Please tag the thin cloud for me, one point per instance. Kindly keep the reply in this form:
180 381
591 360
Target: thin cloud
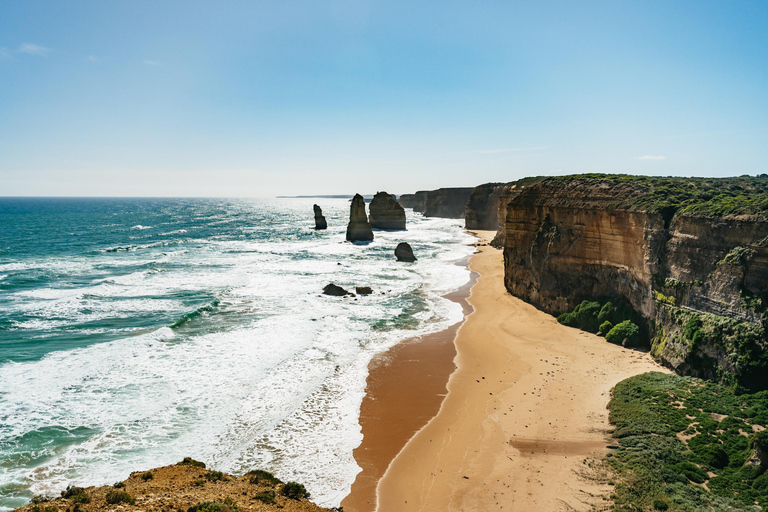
34 49
151 63
93 58
509 150
652 157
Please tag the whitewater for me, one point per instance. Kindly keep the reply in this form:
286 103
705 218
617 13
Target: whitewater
136 332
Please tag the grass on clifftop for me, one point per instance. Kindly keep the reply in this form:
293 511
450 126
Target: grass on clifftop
686 444
709 197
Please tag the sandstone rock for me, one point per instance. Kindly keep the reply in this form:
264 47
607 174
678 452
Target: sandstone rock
420 201
448 203
363 290
571 239
482 210
386 212
358 229
320 222
403 252
406 200
332 289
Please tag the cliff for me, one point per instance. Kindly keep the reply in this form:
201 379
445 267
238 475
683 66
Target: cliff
406 200
689 255
320 222
449 203
420 201
482 210
358 229
386 213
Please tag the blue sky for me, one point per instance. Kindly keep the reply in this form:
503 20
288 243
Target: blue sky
228 98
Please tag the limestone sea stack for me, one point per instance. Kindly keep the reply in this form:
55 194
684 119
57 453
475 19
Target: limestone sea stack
320 222
358 229
403 252
386 212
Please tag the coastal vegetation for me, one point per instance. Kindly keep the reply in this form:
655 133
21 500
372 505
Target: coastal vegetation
612 318
684 444
707 197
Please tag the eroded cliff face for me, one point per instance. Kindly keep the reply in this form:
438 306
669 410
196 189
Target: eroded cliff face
406 200
482 210
567 241
420 201
449 203
386 213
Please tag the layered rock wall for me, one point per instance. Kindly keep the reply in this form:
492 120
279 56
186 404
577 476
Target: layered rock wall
482 210
386 213
450 203
420 201
567 241
406 200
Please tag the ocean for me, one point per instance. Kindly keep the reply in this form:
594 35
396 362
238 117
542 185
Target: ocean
136 332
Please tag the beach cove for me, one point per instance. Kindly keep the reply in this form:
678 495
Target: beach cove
524 408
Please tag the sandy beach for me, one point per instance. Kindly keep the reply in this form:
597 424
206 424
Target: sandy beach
525 407
405 387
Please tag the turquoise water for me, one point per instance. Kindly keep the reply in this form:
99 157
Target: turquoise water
134 332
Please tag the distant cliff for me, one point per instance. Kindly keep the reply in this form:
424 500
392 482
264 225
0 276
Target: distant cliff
689 255
482 210
406 200
449 203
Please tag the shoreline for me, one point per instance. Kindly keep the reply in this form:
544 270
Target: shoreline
524 412
405 388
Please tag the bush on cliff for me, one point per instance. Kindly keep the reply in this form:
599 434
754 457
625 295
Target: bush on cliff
209 506
626 330
605 327
115 497
295 491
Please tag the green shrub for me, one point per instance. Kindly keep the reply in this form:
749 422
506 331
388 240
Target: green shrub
660 505
267 496
115 497
626 330
215 476
606 313
76 494
118 485
294 491
189 461
692 326
258 476
208 506
568 319
147 476
605 327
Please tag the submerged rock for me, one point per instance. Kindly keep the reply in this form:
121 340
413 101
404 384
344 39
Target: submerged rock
363 290
332 289
358 229
386 212
403 252
320 222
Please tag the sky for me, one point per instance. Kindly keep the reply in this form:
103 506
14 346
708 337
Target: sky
263 98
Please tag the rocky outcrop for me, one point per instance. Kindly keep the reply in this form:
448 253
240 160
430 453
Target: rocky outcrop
386 212
482 210
358 229
448 203
320 222
178 487
406 200
420 201
332 289
570 239
363 290
403 252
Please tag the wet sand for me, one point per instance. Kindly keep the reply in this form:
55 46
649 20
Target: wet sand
525 407
405 387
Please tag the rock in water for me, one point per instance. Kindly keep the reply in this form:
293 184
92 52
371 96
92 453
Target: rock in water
363 290
403 252
319 219
332 289
386 212
358 229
